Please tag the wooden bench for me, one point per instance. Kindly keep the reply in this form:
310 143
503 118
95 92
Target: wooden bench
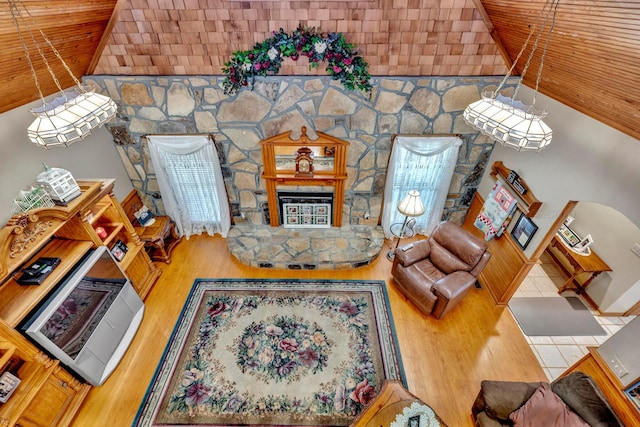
160 237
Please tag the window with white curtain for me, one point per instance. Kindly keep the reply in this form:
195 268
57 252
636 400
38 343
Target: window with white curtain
191 183
425 163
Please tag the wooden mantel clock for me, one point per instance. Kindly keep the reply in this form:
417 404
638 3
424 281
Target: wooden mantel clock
320 162
304 162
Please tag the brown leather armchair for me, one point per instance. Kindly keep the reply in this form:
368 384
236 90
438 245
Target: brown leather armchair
437 273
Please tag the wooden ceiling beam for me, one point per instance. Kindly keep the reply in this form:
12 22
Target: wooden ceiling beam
494 34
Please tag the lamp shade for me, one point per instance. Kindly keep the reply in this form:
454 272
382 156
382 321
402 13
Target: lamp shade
411 205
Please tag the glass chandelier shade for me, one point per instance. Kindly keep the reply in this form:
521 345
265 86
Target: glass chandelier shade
506 120
70 118
509 122
411 205
72 115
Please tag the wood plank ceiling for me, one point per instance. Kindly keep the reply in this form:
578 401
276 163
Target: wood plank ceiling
592 65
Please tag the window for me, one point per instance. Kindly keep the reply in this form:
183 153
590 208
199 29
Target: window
191 183
425 163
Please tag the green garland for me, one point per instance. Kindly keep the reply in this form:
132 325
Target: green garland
343 62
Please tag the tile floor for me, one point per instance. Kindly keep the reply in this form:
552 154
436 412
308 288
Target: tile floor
556 354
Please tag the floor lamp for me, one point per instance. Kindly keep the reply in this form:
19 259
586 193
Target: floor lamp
410 206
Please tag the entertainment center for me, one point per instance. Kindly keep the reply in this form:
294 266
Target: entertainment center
49 394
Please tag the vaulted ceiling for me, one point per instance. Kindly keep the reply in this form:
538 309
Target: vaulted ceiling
592 64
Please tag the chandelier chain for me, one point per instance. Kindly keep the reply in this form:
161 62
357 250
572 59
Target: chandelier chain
17 15
540 21
551 4
546 45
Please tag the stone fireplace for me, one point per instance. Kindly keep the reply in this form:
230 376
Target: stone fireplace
397 105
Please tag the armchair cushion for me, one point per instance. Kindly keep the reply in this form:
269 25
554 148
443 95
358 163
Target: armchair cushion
454 249
454 284
412 253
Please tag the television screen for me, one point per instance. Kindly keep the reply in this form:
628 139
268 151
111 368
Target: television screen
73 322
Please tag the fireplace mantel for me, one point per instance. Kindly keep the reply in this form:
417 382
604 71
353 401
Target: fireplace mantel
304 162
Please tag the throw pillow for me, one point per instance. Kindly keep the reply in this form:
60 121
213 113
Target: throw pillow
580 393
501 398
545 409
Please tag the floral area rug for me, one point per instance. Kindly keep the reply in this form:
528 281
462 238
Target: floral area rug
274 352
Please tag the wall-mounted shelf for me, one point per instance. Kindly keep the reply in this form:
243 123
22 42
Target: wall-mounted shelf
527 202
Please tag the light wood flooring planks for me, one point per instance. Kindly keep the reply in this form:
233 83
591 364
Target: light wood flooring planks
444 360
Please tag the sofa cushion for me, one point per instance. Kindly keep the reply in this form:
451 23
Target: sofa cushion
584 397
545 408
501 398
483 420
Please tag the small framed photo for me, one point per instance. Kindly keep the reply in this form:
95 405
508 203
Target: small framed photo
119 250
8 384
523 231
584 243
568 235
633 393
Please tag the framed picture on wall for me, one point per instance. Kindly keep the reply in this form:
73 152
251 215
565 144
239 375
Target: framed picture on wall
633 393
523 231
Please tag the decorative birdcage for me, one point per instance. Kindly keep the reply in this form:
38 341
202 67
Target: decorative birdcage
34 198
59 184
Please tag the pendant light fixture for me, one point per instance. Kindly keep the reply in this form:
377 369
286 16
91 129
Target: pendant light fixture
506 120
72 115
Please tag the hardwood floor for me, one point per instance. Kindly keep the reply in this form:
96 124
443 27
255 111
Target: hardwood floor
444 360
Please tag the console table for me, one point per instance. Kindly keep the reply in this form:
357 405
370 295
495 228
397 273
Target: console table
591 264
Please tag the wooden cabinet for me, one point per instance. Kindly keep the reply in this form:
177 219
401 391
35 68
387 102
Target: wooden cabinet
104 211
48 395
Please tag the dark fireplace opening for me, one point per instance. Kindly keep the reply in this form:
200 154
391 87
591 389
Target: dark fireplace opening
299 209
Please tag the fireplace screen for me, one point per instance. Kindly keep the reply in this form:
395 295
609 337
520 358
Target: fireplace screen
308 210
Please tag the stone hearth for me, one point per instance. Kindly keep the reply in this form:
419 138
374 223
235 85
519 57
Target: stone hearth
345 247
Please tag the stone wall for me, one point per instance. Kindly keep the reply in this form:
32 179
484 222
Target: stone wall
187 105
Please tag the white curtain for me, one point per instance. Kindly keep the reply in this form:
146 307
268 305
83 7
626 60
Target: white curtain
190 180
424 163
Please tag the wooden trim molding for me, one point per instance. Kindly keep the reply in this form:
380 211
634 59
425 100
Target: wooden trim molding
494 33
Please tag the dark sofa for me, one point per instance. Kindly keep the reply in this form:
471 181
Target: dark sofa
500 403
